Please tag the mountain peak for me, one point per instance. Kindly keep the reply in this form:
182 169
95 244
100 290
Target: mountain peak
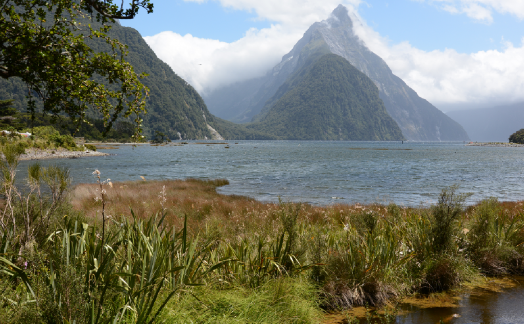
339 17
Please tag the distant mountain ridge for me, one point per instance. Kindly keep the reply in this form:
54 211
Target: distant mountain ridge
328 99
491 124
417 118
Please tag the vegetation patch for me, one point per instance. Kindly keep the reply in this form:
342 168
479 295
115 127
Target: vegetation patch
177 251
517 137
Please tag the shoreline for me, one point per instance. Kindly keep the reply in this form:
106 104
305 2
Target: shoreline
60 153
494 144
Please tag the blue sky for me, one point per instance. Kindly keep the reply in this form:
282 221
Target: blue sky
423 24
455 53
429 28
204 20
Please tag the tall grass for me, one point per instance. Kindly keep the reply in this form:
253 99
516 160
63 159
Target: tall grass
496 238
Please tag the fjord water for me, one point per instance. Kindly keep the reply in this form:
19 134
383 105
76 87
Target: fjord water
319 172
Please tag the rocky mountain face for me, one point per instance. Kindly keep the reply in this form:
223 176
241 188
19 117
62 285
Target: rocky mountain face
328 99
418 119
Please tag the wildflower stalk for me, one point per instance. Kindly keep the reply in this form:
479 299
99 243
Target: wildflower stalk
101 183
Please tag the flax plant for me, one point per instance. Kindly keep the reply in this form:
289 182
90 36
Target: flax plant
255 260
496 238
363 265
28 210
144 265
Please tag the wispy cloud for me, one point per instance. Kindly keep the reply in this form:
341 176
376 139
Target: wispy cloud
481 10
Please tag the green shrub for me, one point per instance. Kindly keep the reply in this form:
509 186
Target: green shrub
442 273
45 131
65 141
445 216
495 238
54 138
363 267
517 137
90 147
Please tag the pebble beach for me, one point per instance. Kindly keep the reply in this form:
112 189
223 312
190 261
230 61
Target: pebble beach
494 144
60 153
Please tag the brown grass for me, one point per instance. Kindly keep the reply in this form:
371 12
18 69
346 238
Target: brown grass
206 210
199 200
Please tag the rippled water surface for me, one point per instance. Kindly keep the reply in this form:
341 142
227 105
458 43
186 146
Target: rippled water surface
321 172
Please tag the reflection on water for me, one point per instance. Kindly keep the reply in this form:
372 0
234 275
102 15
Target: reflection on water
479 306
487 305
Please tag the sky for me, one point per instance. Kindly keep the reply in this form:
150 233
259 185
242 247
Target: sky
457 54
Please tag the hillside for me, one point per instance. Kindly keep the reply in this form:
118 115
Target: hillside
329 99
174 107
418 119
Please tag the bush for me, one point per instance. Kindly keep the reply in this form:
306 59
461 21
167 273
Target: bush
517 137
444 218
441 274
53 137
495 237
65 141
45 131
363 264
90 147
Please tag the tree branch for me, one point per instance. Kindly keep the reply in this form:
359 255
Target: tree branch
119 14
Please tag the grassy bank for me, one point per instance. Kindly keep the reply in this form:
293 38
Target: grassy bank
179 252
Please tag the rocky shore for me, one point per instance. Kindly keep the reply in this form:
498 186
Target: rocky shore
60 153
494 144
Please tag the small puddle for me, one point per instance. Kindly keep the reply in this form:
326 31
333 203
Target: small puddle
496 301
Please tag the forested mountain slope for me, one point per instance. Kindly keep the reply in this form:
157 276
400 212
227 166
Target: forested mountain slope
329 99
173 106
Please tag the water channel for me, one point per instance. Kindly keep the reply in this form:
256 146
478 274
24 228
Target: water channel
497 301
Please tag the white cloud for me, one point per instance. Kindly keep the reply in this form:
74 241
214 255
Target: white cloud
207 63
251 56
442 77
451 9
478 12
448 77
481 9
